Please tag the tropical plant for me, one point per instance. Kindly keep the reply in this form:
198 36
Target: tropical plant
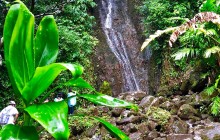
216 99
76 39
32 69
160 14
201 40
198 18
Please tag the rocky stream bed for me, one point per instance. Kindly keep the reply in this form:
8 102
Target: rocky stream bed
159 118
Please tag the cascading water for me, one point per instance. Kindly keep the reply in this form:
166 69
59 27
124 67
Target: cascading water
120 61
116 43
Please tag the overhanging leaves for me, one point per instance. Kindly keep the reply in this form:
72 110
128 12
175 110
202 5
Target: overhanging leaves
53 117
158 33
210 51
44 76
13 132
107 101
79 82
198 18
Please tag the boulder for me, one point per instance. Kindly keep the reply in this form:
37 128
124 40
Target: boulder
143 128
91 131
131 119
160 138
146 101
167 105
179 137
152 135
194 80
186 111
133 96
130 128
135 136
116 112
128 113
179 127
160 116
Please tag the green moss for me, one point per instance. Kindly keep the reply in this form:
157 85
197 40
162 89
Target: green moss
81 123
159 115
216 137
105 88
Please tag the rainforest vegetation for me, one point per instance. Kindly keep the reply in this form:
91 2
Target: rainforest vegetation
182 35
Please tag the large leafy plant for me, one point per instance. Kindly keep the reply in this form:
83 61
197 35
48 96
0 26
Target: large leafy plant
201 40
31 66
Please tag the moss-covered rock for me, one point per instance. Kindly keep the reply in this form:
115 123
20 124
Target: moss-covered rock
186 111
158 115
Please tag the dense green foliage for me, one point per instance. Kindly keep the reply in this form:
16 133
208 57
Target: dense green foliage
76 41
30 61
160 14
197 42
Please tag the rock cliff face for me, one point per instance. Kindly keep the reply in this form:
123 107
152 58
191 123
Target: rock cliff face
118 58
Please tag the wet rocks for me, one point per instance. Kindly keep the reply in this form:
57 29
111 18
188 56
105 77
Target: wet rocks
116 112
186 111
159 118
134 97
179 127
136 136
131 119
146 101
179 137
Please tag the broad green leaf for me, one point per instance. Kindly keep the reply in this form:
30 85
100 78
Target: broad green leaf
18 42
79 82
106 100
53 117
14 132
20 49
19 45
113 129
8 30
44 76
46 42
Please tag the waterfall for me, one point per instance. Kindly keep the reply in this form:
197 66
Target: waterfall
116 42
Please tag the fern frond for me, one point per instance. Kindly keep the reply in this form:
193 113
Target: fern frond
178 18
183 53
208 5
210 51
217 81
210 90
198 18
158 33
212 32
215 106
